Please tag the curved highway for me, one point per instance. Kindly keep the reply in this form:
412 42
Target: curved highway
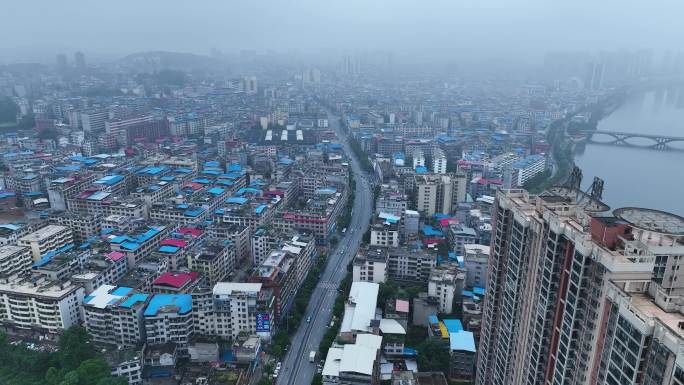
296 368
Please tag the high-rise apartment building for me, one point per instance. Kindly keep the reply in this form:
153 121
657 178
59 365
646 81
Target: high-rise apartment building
437 193
577 295
94 120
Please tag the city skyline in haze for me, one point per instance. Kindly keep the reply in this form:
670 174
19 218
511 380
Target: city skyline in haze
435 30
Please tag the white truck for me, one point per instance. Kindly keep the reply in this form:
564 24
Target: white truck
312 356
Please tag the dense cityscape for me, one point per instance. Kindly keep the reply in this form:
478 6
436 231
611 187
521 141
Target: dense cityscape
257 218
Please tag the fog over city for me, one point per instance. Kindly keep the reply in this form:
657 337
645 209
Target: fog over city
436 29
341 192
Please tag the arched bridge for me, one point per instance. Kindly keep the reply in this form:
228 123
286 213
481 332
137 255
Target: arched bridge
632 139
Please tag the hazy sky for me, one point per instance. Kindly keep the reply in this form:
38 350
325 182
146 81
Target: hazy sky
453 28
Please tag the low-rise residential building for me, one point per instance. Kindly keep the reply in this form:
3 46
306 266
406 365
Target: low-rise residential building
243 308
284 271
114 316
81 225
385 231
46 239
445 284
410 264
527 168
168 318
215 260
462 355
370 265
238 235
139 242
318 217
354 363
39 304
154 192
14 260
460 236
475 261
126 363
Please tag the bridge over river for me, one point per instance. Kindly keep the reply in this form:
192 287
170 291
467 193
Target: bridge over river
632 139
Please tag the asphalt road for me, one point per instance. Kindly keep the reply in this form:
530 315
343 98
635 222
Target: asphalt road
296 368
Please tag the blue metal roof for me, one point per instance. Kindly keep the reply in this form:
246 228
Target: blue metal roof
453 325
237 200
122 291
169 249
48 256
132 300
430 232
215 190
432 319
130 245
182 301
110 180
463 341
194 212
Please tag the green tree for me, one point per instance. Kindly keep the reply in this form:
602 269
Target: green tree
387 291
92 371
433 355
71 378
52 376
74 347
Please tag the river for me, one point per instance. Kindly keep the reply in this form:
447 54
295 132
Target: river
640 177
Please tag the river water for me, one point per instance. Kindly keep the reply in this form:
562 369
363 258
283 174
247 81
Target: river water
634 176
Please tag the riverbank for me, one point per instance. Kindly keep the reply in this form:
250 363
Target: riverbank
562 148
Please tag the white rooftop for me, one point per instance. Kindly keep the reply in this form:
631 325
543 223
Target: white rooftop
360 309
358 359
227 288
10 250
101 297
43 233
332 362
391 326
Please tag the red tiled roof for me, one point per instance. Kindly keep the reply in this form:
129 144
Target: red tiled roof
115 255
176 280
173 242
192 231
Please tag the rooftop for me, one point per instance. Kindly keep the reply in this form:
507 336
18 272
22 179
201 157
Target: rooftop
227 288
462 341
360 308
169 303
176 280
43 233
